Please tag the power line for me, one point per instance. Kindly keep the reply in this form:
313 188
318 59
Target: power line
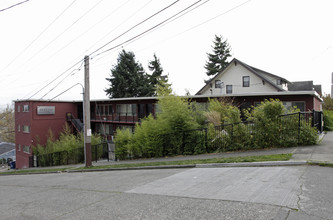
59 35
64 91
55 79
4 9
148 30
70 74
181 15
124 21
38 36
134 27
225 12
193 27
80 35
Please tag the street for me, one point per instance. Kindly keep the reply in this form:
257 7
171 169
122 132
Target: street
294 192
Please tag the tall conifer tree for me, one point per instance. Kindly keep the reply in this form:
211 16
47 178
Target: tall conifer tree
156 78
218 60
128 78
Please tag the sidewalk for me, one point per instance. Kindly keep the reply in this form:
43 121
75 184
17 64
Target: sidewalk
316 154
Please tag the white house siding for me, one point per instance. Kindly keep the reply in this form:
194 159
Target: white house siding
234 76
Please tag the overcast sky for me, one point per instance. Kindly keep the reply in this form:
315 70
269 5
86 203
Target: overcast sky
43 42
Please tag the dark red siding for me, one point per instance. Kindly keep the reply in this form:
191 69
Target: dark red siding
40 125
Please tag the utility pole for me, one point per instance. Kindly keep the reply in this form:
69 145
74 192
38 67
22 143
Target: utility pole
86 116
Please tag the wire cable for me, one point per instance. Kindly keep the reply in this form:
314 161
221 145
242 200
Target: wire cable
39 35
79 35
179 16
148 30
4 9
59 35
124 21
143 21
193 27
55 79
64 91
70 74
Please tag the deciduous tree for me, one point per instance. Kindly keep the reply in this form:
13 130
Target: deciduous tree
7 125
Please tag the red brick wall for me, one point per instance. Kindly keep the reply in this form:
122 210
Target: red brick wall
39 126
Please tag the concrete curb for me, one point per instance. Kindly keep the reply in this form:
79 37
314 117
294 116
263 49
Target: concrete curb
133 168
254 164
212 165
320 163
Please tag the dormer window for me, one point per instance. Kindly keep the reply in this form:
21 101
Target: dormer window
279 82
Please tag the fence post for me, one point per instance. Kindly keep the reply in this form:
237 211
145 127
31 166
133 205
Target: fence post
183 143
321 121
232 134
299 127
206 139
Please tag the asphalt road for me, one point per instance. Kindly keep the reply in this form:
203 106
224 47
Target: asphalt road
297 192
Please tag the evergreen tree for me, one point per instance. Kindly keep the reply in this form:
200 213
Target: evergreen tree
156 78
128 78
218 59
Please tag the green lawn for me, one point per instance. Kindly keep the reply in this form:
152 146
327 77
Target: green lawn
274 157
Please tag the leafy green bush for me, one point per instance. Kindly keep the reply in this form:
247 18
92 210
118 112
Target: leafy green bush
67 149
123 141
328 120
308 134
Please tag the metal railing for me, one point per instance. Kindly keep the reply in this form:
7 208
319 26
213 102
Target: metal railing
73 156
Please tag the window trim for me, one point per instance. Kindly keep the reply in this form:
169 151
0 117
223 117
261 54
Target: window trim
246 83
218 84
228 89
25 108
26 149
26 131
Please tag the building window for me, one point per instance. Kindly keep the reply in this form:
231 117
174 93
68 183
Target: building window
246 81
25 108
110 108
19 147
126 109
26 128
218 84
229 89
18 108
100 110
18 128
298 104
26 149
279 82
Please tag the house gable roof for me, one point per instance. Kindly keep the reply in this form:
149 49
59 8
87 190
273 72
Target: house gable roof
304 86
5 147
260 73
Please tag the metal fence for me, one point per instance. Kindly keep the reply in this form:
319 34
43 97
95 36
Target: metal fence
73 156
185 142
283 132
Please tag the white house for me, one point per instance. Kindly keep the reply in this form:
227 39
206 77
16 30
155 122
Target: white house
240 78
250 85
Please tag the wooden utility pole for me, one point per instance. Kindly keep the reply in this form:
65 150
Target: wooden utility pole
86 103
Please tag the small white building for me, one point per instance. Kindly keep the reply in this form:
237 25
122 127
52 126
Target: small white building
240 78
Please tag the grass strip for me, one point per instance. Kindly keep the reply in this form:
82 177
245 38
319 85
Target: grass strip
262 158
